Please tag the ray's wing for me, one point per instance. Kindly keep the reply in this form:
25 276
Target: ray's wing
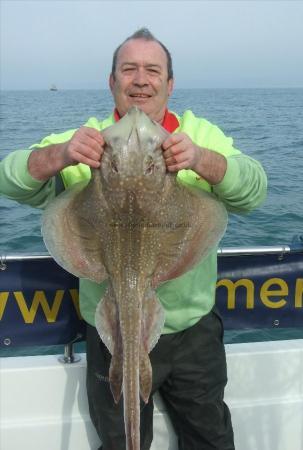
195 221
70 233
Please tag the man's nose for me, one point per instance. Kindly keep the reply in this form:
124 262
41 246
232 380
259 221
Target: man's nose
140 78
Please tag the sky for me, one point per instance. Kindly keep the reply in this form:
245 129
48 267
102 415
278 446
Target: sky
214 44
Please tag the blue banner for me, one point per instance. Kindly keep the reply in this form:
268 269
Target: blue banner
39 300
38 304
261 291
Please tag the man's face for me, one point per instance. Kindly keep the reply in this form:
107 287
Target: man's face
141 79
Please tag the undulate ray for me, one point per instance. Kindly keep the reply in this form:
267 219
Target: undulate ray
136 226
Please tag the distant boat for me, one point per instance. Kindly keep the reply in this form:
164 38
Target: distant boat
53 87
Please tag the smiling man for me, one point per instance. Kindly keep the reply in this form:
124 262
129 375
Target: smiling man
189 365
141 76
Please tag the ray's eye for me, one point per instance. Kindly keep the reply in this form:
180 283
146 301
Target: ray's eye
114 167
150 169
150 166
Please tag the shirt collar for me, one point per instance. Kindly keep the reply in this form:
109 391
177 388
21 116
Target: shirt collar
169 122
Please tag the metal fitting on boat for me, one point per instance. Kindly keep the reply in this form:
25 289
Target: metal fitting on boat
69 356
3 262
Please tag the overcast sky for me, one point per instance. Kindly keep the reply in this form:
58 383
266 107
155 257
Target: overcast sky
213 43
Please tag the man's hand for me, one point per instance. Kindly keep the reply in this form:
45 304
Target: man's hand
180 152
86 146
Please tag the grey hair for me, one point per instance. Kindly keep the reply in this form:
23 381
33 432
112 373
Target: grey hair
144 33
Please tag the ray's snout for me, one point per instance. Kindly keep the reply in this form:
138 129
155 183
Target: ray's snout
133 157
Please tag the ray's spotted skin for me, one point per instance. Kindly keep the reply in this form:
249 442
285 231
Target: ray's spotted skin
136 226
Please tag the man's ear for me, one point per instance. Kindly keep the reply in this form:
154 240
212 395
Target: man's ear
111 82
171 83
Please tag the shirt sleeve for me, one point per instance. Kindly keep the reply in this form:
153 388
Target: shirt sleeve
244 185
17 184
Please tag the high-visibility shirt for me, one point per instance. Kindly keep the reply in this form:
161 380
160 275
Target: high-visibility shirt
192 295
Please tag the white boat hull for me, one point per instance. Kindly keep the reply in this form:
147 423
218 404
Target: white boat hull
44 406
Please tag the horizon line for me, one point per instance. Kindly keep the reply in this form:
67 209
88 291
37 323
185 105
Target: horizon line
176 89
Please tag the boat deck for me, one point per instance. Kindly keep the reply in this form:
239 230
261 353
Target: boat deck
43 402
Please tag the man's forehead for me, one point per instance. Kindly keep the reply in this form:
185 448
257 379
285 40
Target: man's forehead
132 50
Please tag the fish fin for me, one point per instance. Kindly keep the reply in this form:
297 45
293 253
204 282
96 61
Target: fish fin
106 320
116 373
145 376
70 235
153 320
152 325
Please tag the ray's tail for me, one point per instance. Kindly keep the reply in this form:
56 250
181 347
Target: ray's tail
131 395
125 370
130 333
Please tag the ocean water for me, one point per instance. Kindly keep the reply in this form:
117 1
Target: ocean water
266 124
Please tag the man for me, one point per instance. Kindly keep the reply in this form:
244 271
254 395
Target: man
189 365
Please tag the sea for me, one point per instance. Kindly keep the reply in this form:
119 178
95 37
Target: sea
266 124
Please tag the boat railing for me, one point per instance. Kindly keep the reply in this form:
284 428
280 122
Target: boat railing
259 287
222 251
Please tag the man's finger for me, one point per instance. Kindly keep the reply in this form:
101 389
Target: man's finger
80 151
174 150
177 167
88 161
172 139
177 159
93 133
89 141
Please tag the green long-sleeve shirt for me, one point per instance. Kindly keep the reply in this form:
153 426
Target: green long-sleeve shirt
187 298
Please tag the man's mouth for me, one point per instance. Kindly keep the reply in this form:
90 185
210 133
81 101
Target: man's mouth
140 95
